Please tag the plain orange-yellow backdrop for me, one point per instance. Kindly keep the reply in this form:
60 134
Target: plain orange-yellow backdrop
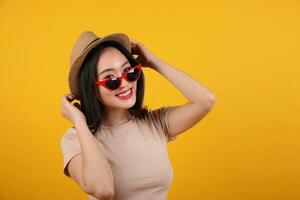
246 52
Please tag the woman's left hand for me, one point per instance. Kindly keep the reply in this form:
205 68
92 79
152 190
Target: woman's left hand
144 55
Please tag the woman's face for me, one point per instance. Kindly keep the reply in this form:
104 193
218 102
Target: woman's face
112 63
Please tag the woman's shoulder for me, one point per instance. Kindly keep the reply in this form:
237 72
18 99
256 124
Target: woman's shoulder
156 115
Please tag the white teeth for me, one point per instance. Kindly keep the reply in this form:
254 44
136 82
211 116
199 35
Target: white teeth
124 94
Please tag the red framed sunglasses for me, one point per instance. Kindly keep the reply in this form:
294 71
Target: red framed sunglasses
114 83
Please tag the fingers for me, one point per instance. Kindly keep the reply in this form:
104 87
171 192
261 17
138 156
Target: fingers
77 105
69 97
134 43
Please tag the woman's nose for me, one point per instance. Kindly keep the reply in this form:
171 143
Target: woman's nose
124 82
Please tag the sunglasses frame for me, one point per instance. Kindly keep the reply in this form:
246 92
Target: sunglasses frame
123 76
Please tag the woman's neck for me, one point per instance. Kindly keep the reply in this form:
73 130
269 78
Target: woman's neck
115 117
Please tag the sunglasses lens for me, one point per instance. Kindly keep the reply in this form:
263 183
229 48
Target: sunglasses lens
133 74
113 83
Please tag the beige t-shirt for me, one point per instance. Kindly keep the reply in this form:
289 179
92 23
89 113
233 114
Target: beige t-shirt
137 154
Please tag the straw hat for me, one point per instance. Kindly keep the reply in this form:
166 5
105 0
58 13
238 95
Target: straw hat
84 44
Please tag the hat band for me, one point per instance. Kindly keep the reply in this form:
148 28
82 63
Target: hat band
90 44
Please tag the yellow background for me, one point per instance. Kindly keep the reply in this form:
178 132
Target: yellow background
246 52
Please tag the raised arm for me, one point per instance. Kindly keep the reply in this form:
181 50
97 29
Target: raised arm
200 99
90 169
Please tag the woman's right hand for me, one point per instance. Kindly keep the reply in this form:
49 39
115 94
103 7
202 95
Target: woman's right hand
69 111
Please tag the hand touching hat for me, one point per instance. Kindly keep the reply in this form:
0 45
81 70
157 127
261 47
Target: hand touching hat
144 55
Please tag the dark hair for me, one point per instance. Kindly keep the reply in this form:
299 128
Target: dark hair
91 106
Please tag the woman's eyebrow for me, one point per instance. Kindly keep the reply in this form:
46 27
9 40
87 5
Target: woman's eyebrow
111 69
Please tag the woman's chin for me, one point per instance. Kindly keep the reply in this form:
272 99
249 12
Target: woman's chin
125 104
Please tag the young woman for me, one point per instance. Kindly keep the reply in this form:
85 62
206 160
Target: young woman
117 147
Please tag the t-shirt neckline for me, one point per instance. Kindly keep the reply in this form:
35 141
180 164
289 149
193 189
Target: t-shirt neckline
118 125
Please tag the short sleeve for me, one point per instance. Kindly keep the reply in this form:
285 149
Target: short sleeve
161 118
70 147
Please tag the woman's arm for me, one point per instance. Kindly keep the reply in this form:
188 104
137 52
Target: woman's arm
200 99
97 176
90 169
194 91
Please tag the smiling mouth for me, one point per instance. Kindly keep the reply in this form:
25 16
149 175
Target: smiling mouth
125 93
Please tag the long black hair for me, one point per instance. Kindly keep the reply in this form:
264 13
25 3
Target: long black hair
90 103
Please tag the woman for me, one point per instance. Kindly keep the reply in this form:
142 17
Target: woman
117 148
